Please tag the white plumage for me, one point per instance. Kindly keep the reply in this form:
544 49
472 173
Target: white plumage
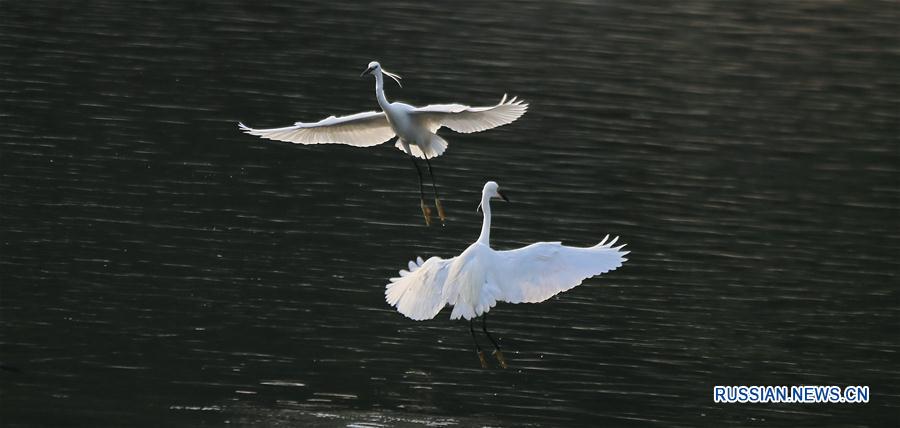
416 127
361 130
477 279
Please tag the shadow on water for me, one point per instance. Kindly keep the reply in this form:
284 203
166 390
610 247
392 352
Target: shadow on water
160 268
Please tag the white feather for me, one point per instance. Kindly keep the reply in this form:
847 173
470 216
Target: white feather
417 292
434 148
540 271
480 276
416 126
360 130
465 119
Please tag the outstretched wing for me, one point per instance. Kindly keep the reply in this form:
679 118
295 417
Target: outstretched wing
361 130
467 119
416 293
539 271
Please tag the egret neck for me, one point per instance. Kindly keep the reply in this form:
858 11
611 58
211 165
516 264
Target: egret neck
485 237
379 91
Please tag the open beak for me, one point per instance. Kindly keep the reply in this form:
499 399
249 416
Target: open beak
368 70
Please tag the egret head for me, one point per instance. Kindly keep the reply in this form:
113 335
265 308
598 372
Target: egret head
374 65
375 68
491 190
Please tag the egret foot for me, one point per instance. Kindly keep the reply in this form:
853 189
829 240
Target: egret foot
440 209
426 212
484 364
499 354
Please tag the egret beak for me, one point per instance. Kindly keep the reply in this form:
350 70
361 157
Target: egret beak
502 196
392 76
477 210
368 70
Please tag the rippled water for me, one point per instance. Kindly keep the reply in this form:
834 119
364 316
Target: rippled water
160 268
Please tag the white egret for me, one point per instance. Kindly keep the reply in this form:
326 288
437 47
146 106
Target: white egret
416 128
477 279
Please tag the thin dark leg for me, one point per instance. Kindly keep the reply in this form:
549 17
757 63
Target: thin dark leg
477 347
431 171
426 212
497 352
419 172
437 200
484 329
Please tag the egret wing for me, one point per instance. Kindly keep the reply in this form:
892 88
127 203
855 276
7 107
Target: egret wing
539 271
417 292
465 119
361 130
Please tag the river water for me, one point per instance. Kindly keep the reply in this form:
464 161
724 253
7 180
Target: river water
160 268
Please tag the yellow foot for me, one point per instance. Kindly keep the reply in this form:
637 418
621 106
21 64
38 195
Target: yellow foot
426 212
440 210
500 359
483 361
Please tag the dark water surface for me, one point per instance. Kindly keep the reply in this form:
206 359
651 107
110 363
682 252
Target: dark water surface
160 268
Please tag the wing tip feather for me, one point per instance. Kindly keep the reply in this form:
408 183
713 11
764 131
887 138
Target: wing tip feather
246 129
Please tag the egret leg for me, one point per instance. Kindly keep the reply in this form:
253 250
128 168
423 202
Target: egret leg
497 352
437 200
478 350
426 211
